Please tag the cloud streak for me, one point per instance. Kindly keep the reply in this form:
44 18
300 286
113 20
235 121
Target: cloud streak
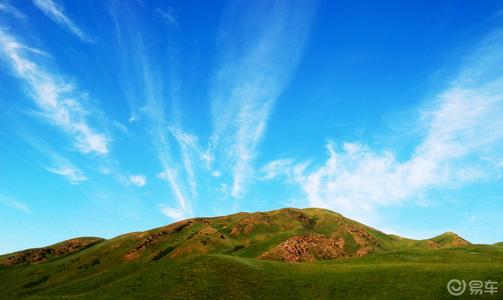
53 161
6 7
461 144
13 203
190 152
154 110
56 13
167 16
138 180
251 77
74 175
58 101
148 104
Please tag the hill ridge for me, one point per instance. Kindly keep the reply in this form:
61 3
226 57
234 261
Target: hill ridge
286 234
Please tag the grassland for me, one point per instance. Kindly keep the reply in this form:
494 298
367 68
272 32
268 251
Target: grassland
185 264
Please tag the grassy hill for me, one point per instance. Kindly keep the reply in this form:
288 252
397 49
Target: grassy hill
287 253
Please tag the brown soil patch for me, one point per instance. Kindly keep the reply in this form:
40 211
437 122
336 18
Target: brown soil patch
431 244
160 235
39 255
247 224
367 242
459 242
455 242
307 248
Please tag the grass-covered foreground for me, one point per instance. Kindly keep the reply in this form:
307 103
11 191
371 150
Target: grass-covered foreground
410 274
282 254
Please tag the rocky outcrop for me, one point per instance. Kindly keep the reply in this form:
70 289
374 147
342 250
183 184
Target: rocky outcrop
307 248
159 235
38 255
247 224
365 241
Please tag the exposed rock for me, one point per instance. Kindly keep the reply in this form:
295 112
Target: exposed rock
365 241
431 244
247 224
204 241
155 237
306 221
460 242
307 248
38 255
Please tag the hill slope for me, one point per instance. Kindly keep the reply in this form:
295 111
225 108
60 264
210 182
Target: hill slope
288 234
243 256
39 255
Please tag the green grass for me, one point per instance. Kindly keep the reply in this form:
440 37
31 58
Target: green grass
404 274
211 260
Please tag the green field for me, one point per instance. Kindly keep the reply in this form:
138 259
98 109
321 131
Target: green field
107 270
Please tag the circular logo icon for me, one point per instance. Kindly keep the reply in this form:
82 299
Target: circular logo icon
456 287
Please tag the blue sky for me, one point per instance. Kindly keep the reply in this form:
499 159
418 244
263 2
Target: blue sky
120 116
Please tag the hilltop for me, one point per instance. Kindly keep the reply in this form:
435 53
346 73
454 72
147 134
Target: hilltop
291 235
232 255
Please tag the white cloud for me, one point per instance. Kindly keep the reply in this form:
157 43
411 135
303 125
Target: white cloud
57 100
462 144
174 214
190 151
73 174
135 60
251 77
158 132
138 180
275 168
56 13
53 161
13 203
170 176
121 127
6 7
183 203
167 16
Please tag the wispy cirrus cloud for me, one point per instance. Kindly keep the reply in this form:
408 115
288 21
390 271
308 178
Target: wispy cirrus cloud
247 83
170 171
58 100
461 144
7 8
13 203
261 51
70 172
49 159
191 153
154 111
167 16
173 213
138 180
56 13
148 103
276 168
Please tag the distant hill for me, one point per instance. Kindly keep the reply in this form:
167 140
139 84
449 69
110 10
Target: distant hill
38 255
289 234
169 260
